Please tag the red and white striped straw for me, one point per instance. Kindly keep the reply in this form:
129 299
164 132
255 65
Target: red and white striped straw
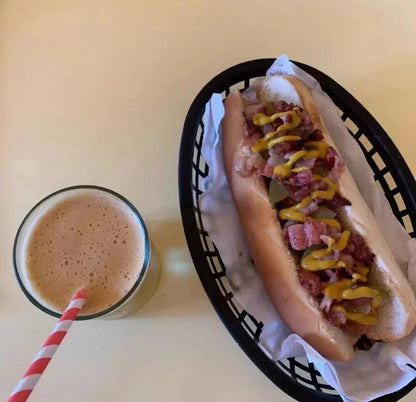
40 362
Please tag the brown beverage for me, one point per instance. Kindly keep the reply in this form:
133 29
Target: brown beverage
91 240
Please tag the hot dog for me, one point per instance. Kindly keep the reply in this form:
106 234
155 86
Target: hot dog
323 260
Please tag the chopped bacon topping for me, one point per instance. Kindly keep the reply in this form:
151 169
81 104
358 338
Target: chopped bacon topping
286 235
305 126
357 248
334 233
266 171
297 238
335 165
345 272
286 147
333 256
306 163
314 230
355 241
267 128
325 304
347 258
304 235
299 179
336 317
363 256
315 135
301 184
286 203
311 207
310 282
331 157
297 193
336 202
282 106
275 158
251 128
328 275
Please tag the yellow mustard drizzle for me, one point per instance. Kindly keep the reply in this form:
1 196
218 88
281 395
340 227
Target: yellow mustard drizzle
357 277
327 194
335 290
289 214
361 291
329 222
363 271
342 290
269 141
293 213
343 241
299 169
312 261
261 119
364 319
376 301
320 146
284 169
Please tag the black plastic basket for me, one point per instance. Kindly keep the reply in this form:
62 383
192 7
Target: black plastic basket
295 376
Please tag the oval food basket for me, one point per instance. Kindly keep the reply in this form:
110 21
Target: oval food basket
295 376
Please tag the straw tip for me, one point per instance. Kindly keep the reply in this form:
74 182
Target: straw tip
80 294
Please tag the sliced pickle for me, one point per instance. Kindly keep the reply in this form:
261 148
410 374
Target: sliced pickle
363 309
269 109
265 154
323 213
311 248
320 170
277 192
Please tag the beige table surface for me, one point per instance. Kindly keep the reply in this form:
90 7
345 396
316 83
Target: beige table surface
96 92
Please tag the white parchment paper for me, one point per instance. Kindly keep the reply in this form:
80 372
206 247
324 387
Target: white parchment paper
381 370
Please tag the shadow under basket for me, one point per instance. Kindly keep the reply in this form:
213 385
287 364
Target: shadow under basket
295 376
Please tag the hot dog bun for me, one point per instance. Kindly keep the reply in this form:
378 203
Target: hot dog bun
273 259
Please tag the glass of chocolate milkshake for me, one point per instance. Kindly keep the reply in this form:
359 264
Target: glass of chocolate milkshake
85 237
